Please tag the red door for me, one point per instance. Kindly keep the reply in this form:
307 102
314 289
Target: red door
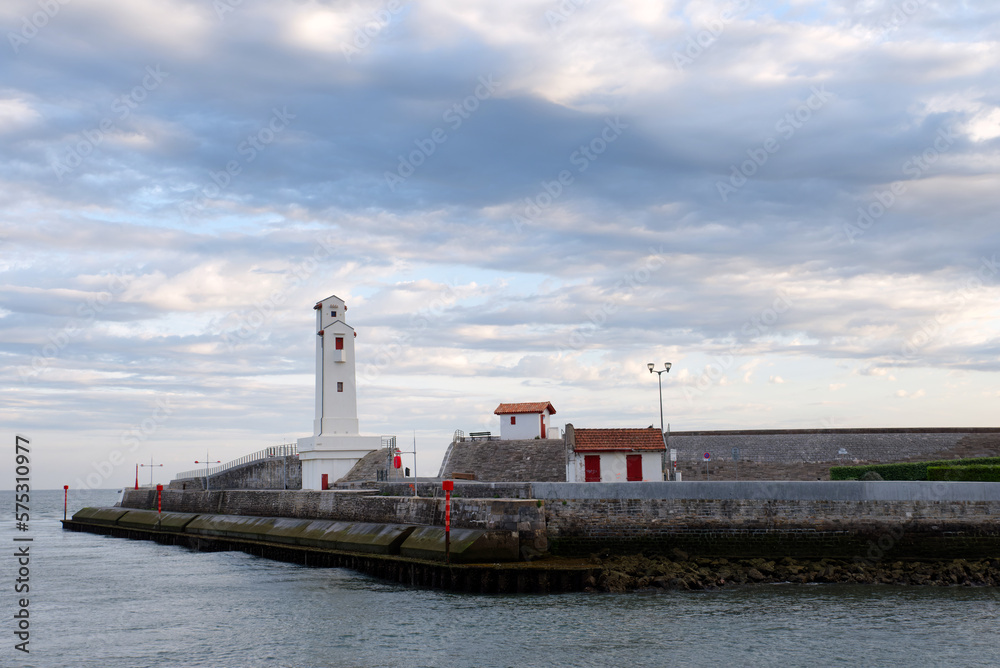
541 419
633 467
592 468
325 481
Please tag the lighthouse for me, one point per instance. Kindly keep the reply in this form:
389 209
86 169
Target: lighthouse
335 446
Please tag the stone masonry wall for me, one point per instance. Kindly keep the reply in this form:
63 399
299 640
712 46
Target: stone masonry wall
808 454
526 517
463 489
368 467
804 446
263 474
850 519
507 461
842 520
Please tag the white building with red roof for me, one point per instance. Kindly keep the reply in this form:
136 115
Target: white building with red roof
614 455
525 421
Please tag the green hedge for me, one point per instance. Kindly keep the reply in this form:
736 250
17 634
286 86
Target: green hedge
976 473
906 470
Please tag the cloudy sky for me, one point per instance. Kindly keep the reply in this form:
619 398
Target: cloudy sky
793 202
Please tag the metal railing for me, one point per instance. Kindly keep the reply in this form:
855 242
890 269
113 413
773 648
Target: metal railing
285 450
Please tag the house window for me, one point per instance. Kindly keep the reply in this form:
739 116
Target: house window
592 468
513 420
633 467
333 314
340 343
340 386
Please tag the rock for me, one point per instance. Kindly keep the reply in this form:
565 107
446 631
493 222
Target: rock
680 554
754 574
616 582
529 553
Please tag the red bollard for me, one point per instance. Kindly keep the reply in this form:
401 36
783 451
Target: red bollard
65 500
447 486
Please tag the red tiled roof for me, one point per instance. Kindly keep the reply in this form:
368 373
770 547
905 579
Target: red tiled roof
618 439
537 407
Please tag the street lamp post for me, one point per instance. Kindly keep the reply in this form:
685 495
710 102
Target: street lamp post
659 382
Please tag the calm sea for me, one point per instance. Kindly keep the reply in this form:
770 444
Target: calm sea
107 602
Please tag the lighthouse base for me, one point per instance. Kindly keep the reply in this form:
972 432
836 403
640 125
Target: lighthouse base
333 456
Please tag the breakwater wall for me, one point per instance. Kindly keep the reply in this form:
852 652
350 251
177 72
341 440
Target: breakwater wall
525 517
849 519
406 554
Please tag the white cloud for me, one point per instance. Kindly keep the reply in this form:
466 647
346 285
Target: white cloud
903 394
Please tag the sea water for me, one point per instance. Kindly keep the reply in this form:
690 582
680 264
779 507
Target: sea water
107 602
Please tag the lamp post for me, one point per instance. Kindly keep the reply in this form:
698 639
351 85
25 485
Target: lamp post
206 463
659 382
150 466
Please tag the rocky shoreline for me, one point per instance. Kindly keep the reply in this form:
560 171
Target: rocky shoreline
680 571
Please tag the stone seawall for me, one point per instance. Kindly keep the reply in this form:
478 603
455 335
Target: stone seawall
523 516
848 520
869 521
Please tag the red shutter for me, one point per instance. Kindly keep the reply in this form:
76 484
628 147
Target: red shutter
512 420
592 468
633 467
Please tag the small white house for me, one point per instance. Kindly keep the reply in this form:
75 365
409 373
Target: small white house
525 421
614 455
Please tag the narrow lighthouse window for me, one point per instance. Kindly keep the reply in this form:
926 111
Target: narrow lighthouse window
340 386
340 343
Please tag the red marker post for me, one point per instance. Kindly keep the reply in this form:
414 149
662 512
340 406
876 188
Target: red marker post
159 499
447 486
65 500
137 476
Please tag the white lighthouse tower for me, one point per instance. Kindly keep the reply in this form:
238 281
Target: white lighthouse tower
335 446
